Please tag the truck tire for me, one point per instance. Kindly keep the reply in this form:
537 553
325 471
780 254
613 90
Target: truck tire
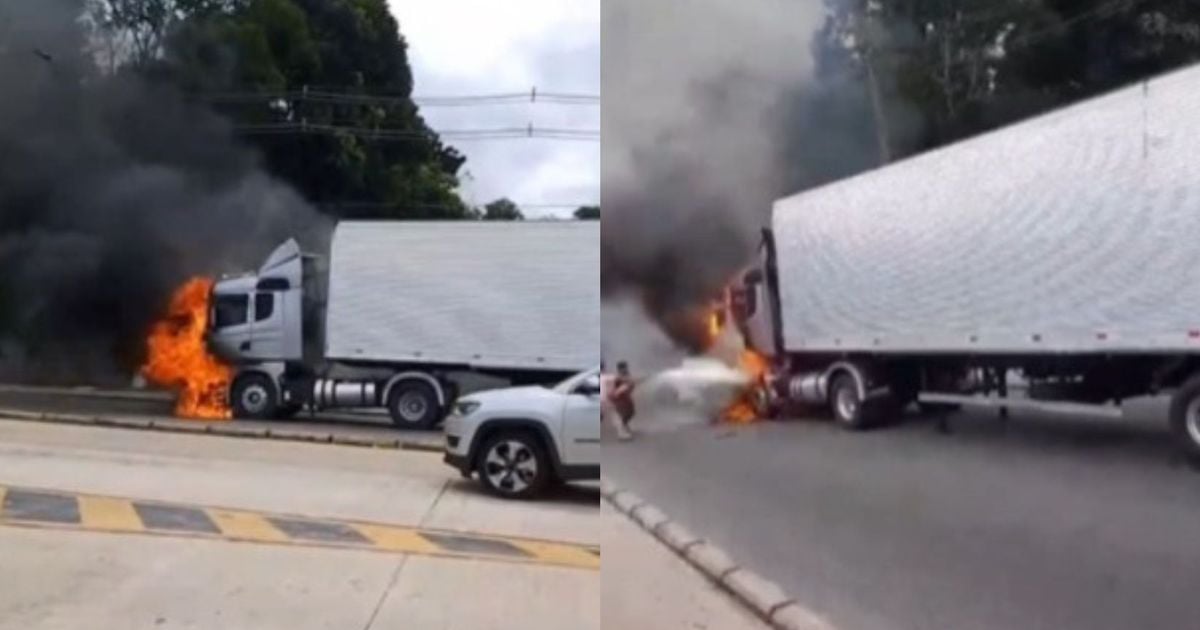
413 404
254 397
1185 418
513 464
849 409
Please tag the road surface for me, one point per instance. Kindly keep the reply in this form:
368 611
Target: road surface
1054 524
68 488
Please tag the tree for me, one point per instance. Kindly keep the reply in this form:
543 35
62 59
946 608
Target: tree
941 71
274 47
502 210
588 213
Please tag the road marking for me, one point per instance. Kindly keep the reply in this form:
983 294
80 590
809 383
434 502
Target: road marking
389 538
317 531
26 507
574 555
474 545
108 514
45 507
162 517
247 526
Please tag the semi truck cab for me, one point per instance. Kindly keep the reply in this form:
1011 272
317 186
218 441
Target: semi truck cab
259 317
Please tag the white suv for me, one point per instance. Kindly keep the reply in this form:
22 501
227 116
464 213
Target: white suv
521 439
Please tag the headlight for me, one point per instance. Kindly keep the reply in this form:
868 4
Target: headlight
466 407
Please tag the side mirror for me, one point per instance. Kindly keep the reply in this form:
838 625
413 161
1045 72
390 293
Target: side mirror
588 389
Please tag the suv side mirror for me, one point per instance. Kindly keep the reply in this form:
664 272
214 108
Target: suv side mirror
590 387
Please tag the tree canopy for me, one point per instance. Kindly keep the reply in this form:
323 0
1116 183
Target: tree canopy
588 213
256 61
502 210
940 70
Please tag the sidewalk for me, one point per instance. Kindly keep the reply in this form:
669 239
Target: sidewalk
645 586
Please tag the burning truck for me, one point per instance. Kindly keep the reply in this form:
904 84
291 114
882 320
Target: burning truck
398 316
1060 249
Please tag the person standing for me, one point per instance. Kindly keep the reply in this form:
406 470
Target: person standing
608 407
622 397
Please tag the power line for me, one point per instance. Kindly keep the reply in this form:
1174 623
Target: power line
435 206
1023 41
501 133
341 97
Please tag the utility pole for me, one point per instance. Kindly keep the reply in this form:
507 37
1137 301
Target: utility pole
881 127
882 133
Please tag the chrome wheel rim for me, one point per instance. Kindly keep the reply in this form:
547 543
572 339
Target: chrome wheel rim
412 406
510 466
254 398
847 403
1193 421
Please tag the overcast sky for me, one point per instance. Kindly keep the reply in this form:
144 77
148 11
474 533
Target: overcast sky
469 47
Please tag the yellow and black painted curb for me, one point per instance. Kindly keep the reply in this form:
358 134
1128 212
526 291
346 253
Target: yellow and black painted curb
29 507
223 429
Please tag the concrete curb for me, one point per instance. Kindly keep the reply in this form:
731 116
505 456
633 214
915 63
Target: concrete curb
763 597
89 392
222 429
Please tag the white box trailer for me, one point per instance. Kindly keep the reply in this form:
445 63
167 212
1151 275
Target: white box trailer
1064 247
500 295
399 312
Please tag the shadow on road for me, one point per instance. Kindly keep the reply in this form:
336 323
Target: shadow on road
584 495
1141 438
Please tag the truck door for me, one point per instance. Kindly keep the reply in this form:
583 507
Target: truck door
760 302
581 422
268 327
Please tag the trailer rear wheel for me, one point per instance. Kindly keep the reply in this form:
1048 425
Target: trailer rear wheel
413 404
849 409
254 397
1185 417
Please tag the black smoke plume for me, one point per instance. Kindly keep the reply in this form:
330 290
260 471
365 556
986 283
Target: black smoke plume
113 190
712 110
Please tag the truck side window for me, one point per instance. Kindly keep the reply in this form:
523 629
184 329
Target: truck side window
231 310
751 300
264 305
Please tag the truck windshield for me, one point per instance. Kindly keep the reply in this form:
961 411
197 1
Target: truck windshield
230 310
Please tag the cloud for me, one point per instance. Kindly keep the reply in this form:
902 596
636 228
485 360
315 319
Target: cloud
463 47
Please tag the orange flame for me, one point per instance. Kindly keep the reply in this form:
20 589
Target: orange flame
177 358
743 409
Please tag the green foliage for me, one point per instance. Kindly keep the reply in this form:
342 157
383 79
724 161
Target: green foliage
247 47
588 213
502 210
947 69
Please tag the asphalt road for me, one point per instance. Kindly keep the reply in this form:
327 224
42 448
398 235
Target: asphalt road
1054 524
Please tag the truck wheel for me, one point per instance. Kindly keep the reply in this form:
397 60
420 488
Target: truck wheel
848 407
514 465
254 397
1185 418
414 404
